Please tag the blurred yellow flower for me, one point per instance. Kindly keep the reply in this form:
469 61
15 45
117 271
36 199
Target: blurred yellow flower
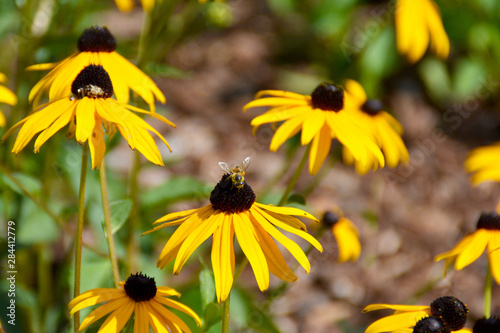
447 313
346 234
138 296
96 46
484 162
384 128
128 5
233 211
418 24
7 97
487 236
321 117
87 111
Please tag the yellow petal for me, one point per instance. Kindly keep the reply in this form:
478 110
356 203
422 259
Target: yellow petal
475 248
60 122
312 126
85 119
223 258
118 318
282 93
347 239
98 295
141 323
274 258
245 234
7 96
355 93
439 39
165 313
286 211
104 310
396 307
320 148
97 146
494 254
180 307
396 322
279 114
288 129
274 101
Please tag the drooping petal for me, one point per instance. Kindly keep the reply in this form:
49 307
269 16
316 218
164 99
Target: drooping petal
282 93
179 306
288 129
346 235
245 234
319 149
312 126
475 248
85 120
279 114
494 254
93 297
97 145
59 123
104 310
286 211
141 323
169 315
118 318
275 101
396 322
223 258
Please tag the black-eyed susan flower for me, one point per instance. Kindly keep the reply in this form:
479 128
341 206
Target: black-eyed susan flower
128 5
321 117
233 211
6 96
96 46
486 236
89 110
140 296
418 24
449 312
373 119
487 325
484 162
346 234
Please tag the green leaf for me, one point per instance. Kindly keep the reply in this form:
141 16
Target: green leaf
436 78
34 225
296 198
211 315
119 211
30 183
207 287
469 74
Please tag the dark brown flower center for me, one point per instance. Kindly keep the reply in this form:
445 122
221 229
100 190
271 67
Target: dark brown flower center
431 325
451 310
372 107
328 97
490 221
94 82
230 199
330 219
140 287
490 325
96 39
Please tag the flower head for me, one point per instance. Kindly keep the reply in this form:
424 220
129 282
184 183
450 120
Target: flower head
446 314
89 110
383 127
418 24
233 211
96 46
487 325
484 162
321 117
346 234
139 296
7 97
473 245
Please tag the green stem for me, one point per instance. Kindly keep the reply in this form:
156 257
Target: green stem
79 230
488 287
134 215
225 315
107 222
295 177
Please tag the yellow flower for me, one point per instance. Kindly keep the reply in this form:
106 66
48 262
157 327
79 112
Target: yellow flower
445 312
87 111
346 234
484 162
418 24
139 296
473 245
7 97
233 211
96 46
128 5
321 117
384 128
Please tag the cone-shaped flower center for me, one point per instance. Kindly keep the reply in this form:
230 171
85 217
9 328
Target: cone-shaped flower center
93 81
330 219
372 107
140 287
451 310
490 325
490 221
230 199
431 325
328 97
96 39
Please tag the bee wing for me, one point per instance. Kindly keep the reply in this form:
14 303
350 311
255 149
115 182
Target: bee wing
225 167
245 163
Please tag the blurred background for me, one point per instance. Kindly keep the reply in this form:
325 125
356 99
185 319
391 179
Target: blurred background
209 59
